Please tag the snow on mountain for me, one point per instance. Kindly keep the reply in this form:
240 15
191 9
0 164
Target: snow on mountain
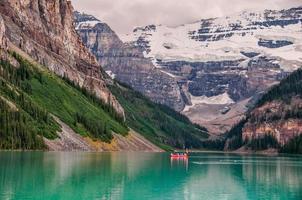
224 38
87 24
227 60
128 64
223 99
85 21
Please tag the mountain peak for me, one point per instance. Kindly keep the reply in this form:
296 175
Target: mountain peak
85 21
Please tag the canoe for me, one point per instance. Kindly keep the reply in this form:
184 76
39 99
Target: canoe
179 155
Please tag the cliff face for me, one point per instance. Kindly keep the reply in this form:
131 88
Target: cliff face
274 119
44 29
2 34
127 63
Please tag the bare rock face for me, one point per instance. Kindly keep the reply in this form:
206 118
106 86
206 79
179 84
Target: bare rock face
273 119
3 41
44 29
2 33
127 63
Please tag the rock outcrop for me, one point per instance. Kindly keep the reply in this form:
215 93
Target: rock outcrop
127 63
44 29
275 121
273 118
2 34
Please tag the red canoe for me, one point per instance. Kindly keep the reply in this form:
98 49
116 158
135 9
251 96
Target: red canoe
177 155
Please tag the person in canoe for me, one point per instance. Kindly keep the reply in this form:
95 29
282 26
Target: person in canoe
179 155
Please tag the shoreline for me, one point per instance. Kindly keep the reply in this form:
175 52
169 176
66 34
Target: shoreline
263 153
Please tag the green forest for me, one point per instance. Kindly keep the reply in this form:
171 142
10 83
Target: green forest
38 94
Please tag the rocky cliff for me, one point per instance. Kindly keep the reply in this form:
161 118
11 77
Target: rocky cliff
127 63
274 119
45 31
2 34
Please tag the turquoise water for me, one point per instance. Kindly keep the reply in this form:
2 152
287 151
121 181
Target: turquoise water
143 176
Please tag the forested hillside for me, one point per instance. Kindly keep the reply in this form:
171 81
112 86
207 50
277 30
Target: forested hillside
275 122
29 95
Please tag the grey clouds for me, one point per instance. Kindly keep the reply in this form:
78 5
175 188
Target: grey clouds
124 15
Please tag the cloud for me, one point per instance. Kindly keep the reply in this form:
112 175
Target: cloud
124 15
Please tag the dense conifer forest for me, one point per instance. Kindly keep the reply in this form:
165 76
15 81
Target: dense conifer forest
29 98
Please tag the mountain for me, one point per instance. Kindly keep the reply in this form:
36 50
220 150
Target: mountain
55 95
158 123
127 63
224 64
275 122
45 31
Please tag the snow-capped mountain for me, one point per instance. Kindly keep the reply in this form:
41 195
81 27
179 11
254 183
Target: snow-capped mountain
221 63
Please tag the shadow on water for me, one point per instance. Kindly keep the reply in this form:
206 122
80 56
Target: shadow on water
38 175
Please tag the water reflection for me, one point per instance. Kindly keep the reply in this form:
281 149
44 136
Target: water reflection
36 175
180 162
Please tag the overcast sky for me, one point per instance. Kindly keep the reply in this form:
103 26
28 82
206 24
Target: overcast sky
124 15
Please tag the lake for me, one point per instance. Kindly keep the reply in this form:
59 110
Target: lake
143 176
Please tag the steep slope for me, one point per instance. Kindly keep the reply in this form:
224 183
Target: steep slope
31 96
45 31
127 63
37 94
223 63
276 121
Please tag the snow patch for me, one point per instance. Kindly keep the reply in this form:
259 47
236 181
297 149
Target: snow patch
222 99
176 44
111 74
87 24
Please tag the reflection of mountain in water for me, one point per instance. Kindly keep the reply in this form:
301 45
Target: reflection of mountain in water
146 176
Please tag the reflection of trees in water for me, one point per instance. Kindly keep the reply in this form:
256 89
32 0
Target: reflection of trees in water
68 175
213 179
246 177
88 175
269 175
134 175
